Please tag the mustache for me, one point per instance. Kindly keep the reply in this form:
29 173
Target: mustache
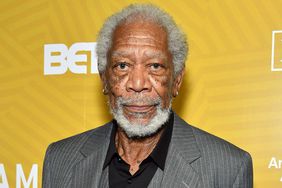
139 100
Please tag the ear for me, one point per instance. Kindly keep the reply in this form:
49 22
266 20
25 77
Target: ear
104 81
177 83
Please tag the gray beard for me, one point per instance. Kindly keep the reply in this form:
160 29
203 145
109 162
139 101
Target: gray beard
137 128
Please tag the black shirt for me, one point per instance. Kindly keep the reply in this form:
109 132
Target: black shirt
119 175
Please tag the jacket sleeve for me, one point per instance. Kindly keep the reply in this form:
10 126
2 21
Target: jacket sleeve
244 178
46 181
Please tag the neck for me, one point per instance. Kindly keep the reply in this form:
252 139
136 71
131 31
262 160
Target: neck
135 150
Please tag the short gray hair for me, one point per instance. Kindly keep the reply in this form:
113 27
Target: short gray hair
177 44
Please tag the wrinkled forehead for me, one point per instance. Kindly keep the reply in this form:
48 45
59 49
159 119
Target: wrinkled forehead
147 54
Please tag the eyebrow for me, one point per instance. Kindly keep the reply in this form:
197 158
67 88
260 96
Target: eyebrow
123 53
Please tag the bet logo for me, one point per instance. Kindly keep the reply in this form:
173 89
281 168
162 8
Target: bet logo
58 58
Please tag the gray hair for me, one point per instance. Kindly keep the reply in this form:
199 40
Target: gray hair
177 44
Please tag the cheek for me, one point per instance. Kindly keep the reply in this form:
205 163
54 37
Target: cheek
115 90
117 85
162 85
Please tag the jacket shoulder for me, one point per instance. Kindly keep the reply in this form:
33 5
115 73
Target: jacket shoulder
218 161
222 159
211 144
74 143
62 155
207 142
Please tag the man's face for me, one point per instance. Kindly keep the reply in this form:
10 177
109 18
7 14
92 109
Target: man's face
139 74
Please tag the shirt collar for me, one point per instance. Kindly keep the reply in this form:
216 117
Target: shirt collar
159 153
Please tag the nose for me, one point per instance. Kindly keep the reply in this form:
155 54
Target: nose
138 80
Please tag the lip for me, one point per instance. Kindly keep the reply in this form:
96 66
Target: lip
139 108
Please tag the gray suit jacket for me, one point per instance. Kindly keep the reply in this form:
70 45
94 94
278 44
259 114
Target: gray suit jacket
196 159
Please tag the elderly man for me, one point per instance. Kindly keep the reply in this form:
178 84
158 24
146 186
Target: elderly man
141 56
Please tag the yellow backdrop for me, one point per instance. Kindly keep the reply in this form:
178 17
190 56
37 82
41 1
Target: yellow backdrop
232 88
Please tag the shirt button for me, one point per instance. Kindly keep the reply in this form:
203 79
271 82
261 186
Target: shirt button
129 181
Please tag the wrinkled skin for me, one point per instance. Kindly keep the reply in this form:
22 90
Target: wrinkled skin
139 63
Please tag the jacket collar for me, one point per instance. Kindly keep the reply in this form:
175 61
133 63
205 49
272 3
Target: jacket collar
181 169
98 139
87 172
184 141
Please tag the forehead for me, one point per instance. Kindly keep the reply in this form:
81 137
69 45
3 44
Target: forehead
140 33
125 52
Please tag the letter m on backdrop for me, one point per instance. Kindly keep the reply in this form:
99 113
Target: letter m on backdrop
276 53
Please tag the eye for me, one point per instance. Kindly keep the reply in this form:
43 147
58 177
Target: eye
121 65
156 66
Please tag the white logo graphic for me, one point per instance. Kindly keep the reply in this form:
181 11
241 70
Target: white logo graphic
58 58
276 53
30 181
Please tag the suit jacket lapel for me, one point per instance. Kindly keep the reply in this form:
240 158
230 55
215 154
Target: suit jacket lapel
182 153
157 179
87 172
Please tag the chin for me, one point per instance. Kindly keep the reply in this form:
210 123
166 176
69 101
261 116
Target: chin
139 126
139 120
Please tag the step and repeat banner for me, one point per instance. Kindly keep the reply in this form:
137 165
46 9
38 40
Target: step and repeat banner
50 89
